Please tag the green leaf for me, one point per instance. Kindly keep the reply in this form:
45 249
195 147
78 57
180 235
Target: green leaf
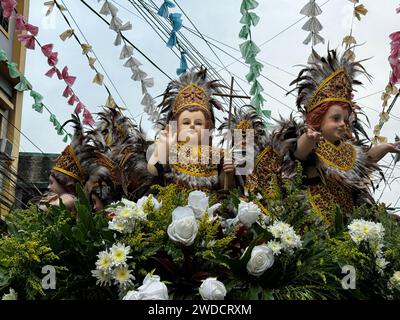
256 88
59 130
248 5
268 294
4 277
251 76
254 293
65 138
338 220
82 199
244 32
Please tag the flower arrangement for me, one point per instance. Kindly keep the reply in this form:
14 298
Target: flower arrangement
193 245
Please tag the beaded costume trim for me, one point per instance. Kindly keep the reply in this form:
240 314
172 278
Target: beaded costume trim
197 161
68 164
337 88
324 198
265 175
342 157
192 95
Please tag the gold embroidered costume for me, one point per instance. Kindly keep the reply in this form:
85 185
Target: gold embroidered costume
191 166
337 174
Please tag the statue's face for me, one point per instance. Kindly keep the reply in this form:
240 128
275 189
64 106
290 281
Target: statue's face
55 187
191 125
334 126
97 203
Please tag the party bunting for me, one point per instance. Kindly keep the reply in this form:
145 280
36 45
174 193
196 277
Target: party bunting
176 21
86 50
66 34
312 25
117 25
249 51
8 7
24 85
28 38
164 8
391 89
183 64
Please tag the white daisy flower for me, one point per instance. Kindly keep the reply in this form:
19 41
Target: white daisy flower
104 262
275 246
279 228
381 264
129 204
394 281
290 240
126 213
119 253
122 276
117 225
103 277
12 295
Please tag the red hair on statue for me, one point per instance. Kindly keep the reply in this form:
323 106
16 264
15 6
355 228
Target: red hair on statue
315 117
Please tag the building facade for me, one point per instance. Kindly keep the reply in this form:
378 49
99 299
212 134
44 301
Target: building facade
10 108
33 176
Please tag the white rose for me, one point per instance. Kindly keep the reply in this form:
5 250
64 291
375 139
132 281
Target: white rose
198 201
248 213
183 227
153 289
143 200
212 289
261 259
132 295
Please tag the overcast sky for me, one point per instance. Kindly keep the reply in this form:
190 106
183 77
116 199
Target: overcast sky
220 21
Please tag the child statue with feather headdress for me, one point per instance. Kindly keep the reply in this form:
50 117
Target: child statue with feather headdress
184 154
337 164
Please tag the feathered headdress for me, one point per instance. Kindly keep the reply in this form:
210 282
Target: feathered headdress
327 79
85 159
126 147
191 89
68 162
245 118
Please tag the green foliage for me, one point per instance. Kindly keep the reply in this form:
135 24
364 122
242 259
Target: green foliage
70 244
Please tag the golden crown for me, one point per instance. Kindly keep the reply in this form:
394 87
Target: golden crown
192 95
244 125
68 164
335 88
